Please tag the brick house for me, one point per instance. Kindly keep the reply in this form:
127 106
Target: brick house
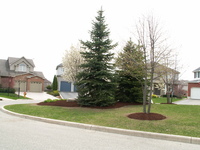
194 85
19 73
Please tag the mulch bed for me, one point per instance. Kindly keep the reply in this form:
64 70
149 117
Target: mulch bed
145 116
64 103
139 116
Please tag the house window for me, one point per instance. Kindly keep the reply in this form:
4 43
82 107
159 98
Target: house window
197 75
22 67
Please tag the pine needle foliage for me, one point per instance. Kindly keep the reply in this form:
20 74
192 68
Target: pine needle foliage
130 74
95 81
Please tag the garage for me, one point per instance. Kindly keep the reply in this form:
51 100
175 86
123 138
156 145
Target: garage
195 93
21 84
65 86
35 87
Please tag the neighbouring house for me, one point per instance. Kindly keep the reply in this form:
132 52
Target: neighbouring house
162 76
63 85
182 88
47 83
194 85
19 73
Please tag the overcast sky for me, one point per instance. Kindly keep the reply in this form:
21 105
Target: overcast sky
43 29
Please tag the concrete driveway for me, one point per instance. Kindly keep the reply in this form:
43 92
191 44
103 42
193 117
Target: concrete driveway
69 95
39 96
188 102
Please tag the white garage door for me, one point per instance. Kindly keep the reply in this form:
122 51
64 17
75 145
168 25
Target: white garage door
36 87
195 93
21 85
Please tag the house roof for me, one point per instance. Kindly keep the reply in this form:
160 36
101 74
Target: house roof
60 65
198 69
160 68
12 60
194 81
5 68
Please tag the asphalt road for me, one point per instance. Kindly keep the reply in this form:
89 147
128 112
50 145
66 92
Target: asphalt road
23 134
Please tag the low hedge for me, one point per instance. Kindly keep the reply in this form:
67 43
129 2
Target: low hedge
54 93
7 90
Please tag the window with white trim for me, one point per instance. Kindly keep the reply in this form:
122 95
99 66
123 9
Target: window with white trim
196 74
22 67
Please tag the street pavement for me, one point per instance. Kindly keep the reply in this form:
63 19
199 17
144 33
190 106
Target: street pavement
18 133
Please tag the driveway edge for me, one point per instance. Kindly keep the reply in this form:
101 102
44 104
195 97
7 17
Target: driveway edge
160 136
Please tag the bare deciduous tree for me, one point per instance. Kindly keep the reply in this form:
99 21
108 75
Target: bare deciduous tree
168 73
152 42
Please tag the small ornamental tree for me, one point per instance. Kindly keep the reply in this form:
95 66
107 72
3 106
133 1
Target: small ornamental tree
71 63
95 82
55 83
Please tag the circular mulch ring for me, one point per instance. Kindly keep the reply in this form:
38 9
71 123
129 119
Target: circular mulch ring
145 116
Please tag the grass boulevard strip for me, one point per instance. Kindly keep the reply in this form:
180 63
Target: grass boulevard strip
181 119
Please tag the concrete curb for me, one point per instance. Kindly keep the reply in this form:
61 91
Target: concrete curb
176 138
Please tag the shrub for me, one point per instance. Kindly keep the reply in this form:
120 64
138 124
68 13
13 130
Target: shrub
53 100
154 96
50 100
7 90
49 87
54 93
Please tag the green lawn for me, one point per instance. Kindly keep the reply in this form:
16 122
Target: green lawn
12 96
181 119
164 100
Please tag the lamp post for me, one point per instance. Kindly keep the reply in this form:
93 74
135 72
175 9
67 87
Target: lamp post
9 81
19 88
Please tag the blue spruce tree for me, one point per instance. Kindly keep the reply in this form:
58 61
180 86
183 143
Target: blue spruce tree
95 82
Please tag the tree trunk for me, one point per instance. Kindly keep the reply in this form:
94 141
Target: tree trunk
168 94
168 97
144 95
150 94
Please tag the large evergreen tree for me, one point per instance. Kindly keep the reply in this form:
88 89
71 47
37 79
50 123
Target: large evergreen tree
95 82
130 77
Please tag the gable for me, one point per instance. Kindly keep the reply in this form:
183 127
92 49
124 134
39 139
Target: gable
197 70
21 64
13 60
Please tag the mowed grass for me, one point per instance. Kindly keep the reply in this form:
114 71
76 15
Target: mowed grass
12 96
164 100
181 119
